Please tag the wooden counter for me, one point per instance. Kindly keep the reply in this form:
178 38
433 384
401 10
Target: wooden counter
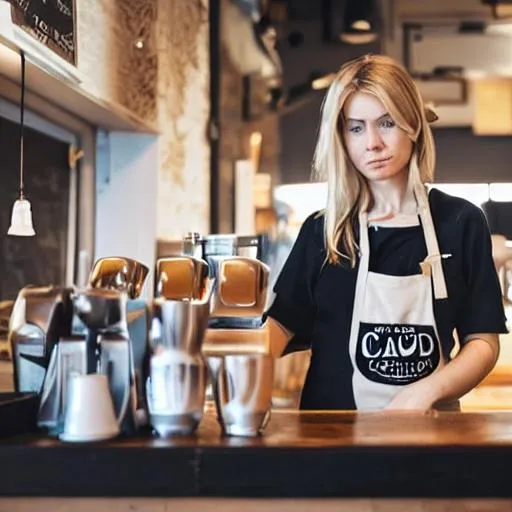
327 454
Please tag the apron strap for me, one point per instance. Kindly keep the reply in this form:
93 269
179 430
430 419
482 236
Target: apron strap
364 242
362 276
434 257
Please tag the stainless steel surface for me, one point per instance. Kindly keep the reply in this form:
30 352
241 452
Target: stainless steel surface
219 245
210 247
181 278
68 360
115 363
179 325
177 384
117 273
40 316
127 276
192 245
176 392
109 351
103 347
242 386
241 288
101 308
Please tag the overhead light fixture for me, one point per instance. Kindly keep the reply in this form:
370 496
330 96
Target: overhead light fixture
21 217
359 22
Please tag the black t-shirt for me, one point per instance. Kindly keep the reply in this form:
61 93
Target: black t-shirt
314 299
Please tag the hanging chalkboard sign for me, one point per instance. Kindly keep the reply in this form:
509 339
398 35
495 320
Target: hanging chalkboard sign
52 22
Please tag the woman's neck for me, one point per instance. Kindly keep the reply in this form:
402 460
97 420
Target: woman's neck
391 199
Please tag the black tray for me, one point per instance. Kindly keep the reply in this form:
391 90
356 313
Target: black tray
18 413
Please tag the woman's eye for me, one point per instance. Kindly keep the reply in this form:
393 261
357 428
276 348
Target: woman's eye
387 123
355 129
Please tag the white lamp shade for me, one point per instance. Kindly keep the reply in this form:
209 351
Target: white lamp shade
358 36
21 219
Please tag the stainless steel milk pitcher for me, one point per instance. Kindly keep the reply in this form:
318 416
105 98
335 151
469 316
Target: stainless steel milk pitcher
177 382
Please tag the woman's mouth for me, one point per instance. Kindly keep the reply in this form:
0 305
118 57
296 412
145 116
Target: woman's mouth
379 161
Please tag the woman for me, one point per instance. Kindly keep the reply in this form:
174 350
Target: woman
377 283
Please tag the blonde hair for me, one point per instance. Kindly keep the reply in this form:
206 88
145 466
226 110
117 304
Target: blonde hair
348 191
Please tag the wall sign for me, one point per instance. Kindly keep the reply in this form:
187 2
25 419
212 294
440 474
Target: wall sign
52 22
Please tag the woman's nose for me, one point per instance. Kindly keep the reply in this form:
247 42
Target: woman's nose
374 140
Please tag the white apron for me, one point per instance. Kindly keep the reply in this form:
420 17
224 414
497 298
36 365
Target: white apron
394 340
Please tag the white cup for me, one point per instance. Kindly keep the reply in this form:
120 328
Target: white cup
89 414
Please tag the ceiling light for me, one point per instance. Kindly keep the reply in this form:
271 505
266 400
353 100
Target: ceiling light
359 22
21 217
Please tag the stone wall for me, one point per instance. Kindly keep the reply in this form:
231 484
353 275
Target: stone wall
183 103
113 66
151 57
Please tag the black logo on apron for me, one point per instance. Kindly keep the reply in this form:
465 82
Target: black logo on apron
396 354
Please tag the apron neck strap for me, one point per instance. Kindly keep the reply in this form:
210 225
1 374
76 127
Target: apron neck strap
434 257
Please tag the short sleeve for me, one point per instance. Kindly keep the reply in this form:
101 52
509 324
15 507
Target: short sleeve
294 304
482 308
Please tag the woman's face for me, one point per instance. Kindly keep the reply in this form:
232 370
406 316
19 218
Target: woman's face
377 147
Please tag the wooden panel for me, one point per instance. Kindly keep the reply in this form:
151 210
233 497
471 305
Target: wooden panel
215 505
493 106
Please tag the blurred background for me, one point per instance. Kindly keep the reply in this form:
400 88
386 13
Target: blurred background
148 119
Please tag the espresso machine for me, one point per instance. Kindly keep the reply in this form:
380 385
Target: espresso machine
253 246
129 276
176 385
40 317
240 280
99 342
248 250
236 344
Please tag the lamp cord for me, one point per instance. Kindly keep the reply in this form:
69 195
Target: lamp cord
22 120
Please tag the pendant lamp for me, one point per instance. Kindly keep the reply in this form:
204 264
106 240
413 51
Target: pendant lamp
359 23
21 217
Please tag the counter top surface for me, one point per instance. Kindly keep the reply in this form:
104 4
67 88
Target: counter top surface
332 454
